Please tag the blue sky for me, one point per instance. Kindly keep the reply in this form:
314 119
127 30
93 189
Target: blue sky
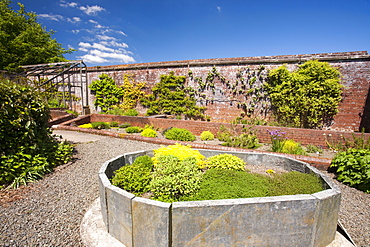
109 32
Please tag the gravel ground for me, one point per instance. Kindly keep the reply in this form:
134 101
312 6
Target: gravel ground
49 212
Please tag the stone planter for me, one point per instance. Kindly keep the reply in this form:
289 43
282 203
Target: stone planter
295 220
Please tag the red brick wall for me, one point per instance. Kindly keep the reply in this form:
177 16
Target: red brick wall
354 111
304 136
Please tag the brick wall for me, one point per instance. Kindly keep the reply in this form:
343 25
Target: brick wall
354 110
304 136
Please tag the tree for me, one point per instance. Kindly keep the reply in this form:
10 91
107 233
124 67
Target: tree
24 41
306 98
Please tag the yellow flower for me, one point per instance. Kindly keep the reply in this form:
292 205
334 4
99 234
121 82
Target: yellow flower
270 171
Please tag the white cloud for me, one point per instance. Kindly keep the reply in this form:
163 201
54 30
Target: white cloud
51 17
105 37
99 26
91 10
76 31
74 19
115 44
120 32
71 4
218 8
102 53
88 58
92 21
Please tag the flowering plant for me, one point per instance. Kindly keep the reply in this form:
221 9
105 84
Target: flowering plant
277 140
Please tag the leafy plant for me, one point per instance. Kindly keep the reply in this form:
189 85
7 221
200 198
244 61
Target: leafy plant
149 133
225 161
131 112
292 147
107 93
179 134
116 111
277 140
353 168
124 125
170 97
27 148
207 136
180 151
100 125
25 41
173 178
86 126
132 92
133 129
231 138
317 93
314 149
135 178
114 124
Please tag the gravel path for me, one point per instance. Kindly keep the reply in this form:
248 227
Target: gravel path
49 212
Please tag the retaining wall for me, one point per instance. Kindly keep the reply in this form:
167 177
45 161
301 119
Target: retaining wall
296 220
354 111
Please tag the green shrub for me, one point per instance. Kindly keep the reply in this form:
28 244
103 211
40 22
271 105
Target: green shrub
134 129
116 111
228 184
180 151
171 96
149 133
100 125
86 126
173 178
124 125
231 138
107 93
317 93
314 149
27 148
135 178
179 134
292 147
131 112
293 183
353 168
225 161
114 124
207 136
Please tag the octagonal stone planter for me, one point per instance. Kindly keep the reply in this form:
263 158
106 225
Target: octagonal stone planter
295 220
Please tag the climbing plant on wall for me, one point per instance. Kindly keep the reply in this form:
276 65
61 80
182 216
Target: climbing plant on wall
306 98
246 92
132 92
107 93
171 96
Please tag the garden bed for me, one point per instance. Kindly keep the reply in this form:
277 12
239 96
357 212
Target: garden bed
296 220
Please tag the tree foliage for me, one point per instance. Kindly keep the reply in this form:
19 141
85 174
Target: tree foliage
24 41
306 98
170 97
27 148
107 93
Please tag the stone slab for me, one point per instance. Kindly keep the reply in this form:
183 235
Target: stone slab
151 223
255 221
